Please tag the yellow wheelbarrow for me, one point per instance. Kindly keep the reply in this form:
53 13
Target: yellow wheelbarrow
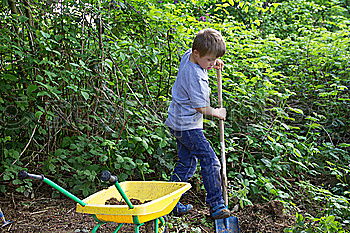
158 198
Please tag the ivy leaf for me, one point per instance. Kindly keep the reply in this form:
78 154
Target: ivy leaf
45 35
296 110
85 95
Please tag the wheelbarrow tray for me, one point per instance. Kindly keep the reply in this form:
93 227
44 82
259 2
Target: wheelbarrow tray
161 198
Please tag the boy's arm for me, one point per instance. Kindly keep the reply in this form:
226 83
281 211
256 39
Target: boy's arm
215 112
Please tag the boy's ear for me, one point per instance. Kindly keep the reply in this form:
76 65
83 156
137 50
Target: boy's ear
196 53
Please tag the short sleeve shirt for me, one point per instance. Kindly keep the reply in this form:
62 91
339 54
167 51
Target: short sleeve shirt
191 90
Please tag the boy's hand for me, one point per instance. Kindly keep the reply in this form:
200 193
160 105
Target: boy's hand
215 112
221 113
219 64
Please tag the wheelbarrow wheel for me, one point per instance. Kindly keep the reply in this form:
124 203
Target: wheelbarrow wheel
151 226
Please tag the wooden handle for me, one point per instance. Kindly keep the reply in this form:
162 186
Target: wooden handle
219 78
222 140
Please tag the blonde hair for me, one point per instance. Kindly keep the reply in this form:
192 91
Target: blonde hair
209 42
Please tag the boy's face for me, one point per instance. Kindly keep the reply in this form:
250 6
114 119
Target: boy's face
206 62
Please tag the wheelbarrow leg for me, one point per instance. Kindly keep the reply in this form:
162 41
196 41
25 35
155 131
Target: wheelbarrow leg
137 227
159 225
118 227
157 229
156 225
94 230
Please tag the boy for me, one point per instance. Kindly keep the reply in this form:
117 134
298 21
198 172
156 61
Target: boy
190 100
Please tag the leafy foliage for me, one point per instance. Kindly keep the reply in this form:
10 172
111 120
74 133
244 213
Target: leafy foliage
85 87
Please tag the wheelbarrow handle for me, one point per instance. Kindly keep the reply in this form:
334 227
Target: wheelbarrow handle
106 176
25 175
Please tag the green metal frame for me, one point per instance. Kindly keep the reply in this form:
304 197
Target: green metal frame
63 191
136 223
136 220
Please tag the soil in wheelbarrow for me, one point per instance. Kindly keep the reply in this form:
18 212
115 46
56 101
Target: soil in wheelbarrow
115 201
57 215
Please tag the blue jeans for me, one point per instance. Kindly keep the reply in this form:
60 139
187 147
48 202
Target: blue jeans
192 145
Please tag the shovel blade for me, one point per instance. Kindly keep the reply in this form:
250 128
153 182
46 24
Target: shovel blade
227 225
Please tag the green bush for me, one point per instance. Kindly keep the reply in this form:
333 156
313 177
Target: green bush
85 87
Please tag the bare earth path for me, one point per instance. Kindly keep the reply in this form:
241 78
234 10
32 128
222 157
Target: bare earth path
44 214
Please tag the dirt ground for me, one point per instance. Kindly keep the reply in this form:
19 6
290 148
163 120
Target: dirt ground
44 214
